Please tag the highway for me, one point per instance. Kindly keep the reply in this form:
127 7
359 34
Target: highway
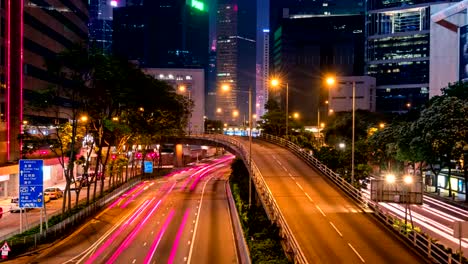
180 218
329 227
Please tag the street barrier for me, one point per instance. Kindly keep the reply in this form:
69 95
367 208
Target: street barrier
242 248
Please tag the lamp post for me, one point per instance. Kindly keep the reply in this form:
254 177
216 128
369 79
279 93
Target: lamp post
250 146
330 82
275 83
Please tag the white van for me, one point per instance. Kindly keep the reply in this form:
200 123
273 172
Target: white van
14 206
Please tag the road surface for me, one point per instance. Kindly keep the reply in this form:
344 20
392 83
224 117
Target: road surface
181 218
329 227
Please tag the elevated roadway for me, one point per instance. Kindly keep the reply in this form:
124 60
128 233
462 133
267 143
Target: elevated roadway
327 225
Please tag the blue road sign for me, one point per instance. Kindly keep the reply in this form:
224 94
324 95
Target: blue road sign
31 183
148 167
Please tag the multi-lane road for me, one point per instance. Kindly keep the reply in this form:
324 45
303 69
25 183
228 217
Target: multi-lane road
329 227
180 218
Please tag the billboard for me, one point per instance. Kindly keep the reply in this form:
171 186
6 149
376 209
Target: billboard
397 192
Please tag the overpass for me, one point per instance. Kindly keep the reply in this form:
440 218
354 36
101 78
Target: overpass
321 217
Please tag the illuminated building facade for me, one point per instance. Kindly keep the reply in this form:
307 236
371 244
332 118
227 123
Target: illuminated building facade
235 60
100 23
31 32
308 40
308 48
34 30
398 52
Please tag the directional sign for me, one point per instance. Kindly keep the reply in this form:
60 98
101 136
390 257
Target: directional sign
31 182
148 167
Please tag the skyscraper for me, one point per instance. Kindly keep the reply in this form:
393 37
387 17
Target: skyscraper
310 40
100 23
32 35
263 56
397 52
236 29
162 33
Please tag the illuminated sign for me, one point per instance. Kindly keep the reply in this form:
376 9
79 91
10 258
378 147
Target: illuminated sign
198 5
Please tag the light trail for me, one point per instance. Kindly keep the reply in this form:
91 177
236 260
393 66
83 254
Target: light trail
132 236
158 238
109 241
177 239
447 206
195 182
116 202
432 224
429 224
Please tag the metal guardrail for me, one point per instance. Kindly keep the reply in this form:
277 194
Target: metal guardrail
424 245
242 248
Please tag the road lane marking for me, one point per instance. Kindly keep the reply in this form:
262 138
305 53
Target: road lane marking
336 229
310 199
298 184
355 251
196 222
320 210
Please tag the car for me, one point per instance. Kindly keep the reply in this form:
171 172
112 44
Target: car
53 192
46 198
82 181
14 206
98 177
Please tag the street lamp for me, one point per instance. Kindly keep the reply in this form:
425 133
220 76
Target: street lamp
408 180
330 82
275 83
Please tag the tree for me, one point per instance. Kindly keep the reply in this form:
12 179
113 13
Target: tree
444 127
456 89
274 120
382 147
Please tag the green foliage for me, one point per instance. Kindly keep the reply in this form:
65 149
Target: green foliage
274 121
261 235
456 89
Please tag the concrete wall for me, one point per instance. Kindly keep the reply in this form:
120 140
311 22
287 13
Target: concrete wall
340 94
444 52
